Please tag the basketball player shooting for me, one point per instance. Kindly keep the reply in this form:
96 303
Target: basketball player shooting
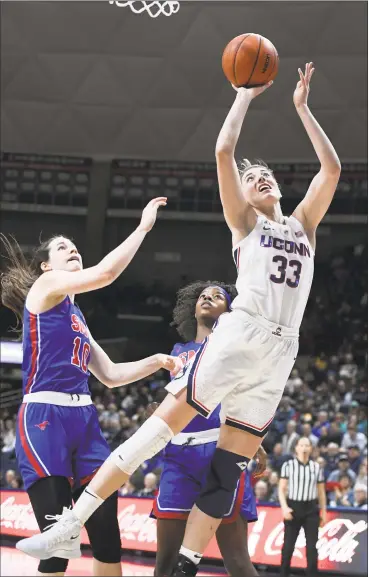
245 363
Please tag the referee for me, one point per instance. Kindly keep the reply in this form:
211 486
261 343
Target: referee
301 488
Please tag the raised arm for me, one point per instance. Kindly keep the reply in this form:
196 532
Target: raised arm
313 207
61 282
239 215
118 374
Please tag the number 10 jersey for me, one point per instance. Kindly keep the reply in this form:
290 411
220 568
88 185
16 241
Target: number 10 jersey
275 264
56 350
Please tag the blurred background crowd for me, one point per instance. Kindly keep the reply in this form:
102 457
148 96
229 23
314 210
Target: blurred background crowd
325 398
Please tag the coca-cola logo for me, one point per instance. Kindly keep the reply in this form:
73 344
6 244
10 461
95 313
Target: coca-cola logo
337 540
17 516
136 526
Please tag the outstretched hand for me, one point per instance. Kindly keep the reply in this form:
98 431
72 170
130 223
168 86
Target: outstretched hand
300 96
150 213
252 92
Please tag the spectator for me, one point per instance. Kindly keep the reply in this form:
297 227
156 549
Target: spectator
355 458
361 496
284 414
343 466
273 487
362 477
323 439
331 458
10 476
321 422
8 436
127 489
349 369
15 483
306 432
290 439
277 458
294 383
362 426
150 486
352 437
334 433
322 464
344 495
341 421
261 492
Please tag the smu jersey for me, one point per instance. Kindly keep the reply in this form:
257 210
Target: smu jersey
275 264
186 352
56 350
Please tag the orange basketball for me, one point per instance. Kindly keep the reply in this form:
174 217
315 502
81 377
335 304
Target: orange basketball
250 60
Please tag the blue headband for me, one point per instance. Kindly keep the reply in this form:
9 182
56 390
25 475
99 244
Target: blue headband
225 294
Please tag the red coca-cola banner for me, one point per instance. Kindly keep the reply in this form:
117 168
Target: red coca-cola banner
342 544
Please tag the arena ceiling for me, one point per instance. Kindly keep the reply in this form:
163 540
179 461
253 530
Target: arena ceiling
89 78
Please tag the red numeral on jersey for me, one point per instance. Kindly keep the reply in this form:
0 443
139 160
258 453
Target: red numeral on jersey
84 356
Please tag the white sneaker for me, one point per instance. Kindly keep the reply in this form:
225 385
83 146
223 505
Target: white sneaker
60 539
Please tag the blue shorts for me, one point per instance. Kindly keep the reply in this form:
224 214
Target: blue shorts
184 474
56 440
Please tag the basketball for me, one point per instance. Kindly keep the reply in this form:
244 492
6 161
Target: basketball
250 60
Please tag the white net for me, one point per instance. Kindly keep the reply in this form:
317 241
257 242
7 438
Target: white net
153 7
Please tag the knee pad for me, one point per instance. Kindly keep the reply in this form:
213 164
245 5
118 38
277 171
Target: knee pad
217 496
48 496
104 533
150 438
53 565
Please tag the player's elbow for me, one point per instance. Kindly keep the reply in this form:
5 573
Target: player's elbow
332 169
223 151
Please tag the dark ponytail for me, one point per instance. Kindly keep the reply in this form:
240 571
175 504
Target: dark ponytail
20 275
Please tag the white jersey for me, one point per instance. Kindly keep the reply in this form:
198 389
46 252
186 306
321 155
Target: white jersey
275 264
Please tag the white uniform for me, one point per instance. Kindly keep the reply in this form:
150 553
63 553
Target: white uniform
246 361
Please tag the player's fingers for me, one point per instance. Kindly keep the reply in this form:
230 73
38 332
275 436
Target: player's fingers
159 200
265 87
302 78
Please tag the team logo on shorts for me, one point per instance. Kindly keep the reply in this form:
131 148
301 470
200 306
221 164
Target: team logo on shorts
43 425
242 465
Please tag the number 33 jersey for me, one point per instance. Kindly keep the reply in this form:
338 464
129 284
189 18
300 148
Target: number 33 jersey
56 350
275 264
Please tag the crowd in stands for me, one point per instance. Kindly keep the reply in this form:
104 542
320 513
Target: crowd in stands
325 398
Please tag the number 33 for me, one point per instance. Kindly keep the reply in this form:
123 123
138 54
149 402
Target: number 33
295 264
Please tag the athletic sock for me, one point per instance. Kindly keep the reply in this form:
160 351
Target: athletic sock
87 505
191 555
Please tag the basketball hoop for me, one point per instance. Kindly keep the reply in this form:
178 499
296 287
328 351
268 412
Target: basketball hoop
154 8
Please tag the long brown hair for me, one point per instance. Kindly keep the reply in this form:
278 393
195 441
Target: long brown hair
20 274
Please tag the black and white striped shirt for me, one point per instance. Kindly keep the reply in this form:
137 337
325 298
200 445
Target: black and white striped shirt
302 479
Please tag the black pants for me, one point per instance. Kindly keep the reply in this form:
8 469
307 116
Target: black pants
306 515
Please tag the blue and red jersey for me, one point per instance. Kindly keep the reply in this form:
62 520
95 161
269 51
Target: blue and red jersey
56 350
186 352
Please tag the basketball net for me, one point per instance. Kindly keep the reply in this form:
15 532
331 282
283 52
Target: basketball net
153 7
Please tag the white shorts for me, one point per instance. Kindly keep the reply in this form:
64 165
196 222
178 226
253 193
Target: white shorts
244 365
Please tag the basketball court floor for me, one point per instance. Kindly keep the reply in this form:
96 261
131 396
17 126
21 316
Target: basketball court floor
14 563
